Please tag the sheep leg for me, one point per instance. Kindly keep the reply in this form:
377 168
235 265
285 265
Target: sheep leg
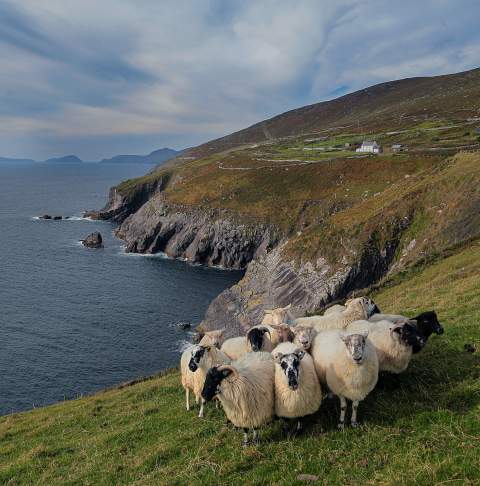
187 398
245 437
354 413
343 409
197 399
256 437
299 425
202 403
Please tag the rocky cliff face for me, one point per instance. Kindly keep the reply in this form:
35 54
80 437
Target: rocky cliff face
206 236
120 205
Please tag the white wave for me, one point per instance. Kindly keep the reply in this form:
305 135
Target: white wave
70 218
182 345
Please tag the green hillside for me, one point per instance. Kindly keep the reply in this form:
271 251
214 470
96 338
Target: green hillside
422 428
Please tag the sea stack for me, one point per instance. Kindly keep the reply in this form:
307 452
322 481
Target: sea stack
93 240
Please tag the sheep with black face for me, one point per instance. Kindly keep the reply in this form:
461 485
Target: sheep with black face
394 342
194 363
245 389
426 323
347 363
297 389
256 339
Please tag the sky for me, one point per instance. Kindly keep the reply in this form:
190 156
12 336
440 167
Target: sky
98 78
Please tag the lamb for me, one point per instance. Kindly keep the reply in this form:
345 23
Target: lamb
194 363
348 365
427 323
246 391
356 309
393 342
255 340
275 316
303 336
297 389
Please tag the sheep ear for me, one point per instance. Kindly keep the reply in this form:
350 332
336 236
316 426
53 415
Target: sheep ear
300 354
277 357
226 373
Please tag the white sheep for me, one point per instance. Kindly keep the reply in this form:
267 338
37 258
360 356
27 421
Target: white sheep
348 365
276 316
334 309
356 309
372 308
255 340
194 364
245 389
215 338
303 336
394 342
297 389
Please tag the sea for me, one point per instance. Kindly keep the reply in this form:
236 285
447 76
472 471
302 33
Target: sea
75 320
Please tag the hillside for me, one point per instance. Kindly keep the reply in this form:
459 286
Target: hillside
308 217
67 159
422 428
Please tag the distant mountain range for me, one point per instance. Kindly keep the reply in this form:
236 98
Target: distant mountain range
156 157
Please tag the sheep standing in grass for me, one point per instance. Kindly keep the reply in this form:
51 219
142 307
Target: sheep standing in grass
427 323
256 339
194 364
297 389
394 343
303 336
245 389
348 365
356 309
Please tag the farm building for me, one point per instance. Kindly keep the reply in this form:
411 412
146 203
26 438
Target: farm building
370 147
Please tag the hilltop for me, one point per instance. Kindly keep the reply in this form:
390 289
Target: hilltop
66 159
309 218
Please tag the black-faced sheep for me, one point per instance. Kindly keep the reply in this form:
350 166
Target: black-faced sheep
245 389
256 339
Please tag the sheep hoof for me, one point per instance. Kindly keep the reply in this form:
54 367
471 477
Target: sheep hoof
355 425
341 425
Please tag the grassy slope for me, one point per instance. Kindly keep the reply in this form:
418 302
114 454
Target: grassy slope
424 429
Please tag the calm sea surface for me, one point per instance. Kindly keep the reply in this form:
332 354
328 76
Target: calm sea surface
75 320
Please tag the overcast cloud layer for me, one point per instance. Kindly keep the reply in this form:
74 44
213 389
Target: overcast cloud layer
98 78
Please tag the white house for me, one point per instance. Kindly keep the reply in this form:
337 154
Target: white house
370 147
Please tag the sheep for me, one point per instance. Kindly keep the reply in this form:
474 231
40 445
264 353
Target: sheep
356 309
393 342
427 323
275 316
255 340
297 389
303 336
348 364
245 389
372 308
280 333
215 338
194 363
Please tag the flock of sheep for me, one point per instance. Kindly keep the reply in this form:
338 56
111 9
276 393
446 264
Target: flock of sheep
278 369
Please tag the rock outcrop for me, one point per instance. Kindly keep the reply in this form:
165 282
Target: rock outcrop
206 236
123 203
93 240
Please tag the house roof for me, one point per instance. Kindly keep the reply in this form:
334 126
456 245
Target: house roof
369 144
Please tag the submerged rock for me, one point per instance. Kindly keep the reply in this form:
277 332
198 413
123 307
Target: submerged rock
93 240
57 218
183 325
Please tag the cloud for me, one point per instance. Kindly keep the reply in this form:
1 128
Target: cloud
99 78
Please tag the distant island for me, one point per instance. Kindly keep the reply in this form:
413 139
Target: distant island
67 159
156 157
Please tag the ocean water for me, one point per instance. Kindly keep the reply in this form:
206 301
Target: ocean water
75 320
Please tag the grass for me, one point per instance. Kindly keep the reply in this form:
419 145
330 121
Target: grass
421 428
